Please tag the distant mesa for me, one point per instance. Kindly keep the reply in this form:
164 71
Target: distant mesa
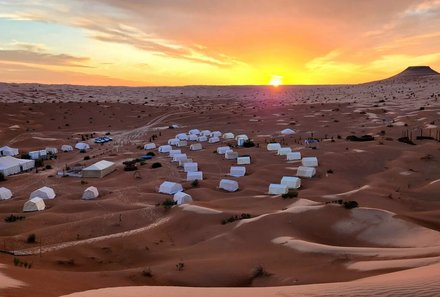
414 71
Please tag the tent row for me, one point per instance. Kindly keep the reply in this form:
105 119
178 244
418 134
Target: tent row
11 165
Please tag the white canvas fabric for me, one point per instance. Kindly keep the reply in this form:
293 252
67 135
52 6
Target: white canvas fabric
292 182
214 140
194 175
34 155
243 160
216 134
52 150
287 131
307 172
10 165
310 161
278 189
170 188
190 167
43 193
182 143
182 136
293 156
231 155
193 137
183 162
90 193
82 146
101 165
237 171
194 132
242 136
182 198
149 146
8 151
66 148
179 157
206 133
223 149
34 204
196 147
202 139
284 151
228 135
174 152
165 148
5 193
173 141
228 185
273 146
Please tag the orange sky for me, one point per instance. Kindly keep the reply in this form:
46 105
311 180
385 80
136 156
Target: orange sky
173 42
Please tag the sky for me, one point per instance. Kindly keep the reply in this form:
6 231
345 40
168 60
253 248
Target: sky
209 42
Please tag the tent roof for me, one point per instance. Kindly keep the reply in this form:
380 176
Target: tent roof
101 165
8 161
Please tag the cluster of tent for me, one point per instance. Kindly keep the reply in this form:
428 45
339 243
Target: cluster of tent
37 197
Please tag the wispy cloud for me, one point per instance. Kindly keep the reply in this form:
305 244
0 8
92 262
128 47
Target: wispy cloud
42 58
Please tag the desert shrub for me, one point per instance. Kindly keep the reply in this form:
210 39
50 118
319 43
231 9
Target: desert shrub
360 139
2 177
258 272
130 167
151 154
32 238
39 163
142 163
84 182
156 165
350 204
48 166
406 140
25 156
86 158
248 143
232 219
195 183
424 138
13 218
168 203
290 195
147 272
180 266
82 151
330 171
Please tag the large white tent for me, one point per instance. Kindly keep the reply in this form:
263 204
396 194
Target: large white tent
34 204
293 156
228 135
194 175
174 152
179 157
228 185
170 188
196 147
303 171
5 193
8 151
173 141
237 171
231 155
43 193
223 149
284 151
194 132
190 167
182 143
90 193
82 146
193 137
274 146
278 189
216 134
149 146
182 136
202 139
310 161
10 165
287 131
206 133
165 148
292 182
243 160
182 198
99 169
214 140
66 148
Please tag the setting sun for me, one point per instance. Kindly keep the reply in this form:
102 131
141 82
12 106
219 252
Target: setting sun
276 80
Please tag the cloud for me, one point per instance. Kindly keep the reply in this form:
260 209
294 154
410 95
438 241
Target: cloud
42 58
424 8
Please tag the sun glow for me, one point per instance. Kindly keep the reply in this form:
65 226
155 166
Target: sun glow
276 81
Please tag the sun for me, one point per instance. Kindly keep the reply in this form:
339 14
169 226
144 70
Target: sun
276 81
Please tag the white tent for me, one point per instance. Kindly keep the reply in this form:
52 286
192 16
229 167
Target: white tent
278 189
196 147
241 141
183 162
34 155
66 148
99 169
214 140
182 198
5 194
149 146
223 149
228 135
34 204
202 139
165 148
174 152
8 151
310 162
43 193
293 156
242 136
284 151
173 141
179 157
170 188
206 133
194 132
182 143
287 131
228 185
273 146
10 165
291 182
193 137
306 171
216 134
231 155
190 167
90 193
43 153
237 171
182 136
52 150
82 146
243 160
194 175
